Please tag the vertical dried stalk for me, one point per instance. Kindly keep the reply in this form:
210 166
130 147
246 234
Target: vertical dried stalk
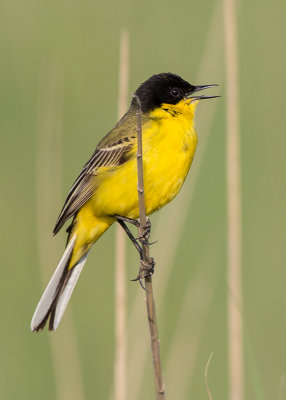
206 377
69 384
160 387
211 67
120 253
235 341
123 74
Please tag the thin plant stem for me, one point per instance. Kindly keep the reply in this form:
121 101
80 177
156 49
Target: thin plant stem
206 377
210 67
235 340
120 253
146 260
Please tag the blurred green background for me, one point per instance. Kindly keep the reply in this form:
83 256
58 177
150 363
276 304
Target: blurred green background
58 96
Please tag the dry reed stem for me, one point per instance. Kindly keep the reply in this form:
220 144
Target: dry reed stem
209 67
68 382
146 261
120 243
235 340
206 377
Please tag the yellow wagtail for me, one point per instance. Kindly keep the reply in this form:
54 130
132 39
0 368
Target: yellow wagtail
106 188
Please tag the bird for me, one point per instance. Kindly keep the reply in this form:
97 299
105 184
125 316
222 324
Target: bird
106 189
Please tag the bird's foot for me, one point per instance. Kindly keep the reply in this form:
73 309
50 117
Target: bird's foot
145 235
146 270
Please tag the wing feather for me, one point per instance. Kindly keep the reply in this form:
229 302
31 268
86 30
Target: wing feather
109 153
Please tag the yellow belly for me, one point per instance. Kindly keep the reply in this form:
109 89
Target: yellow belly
169 145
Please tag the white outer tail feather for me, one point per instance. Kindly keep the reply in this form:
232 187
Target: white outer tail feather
52 288
66 294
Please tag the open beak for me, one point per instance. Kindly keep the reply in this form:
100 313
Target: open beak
198 89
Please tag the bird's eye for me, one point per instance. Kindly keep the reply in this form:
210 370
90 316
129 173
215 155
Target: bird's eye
175 92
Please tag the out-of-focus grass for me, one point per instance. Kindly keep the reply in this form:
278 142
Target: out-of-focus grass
83 38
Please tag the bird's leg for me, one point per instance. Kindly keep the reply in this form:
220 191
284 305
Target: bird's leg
146 268
129 234
132 221
135 222
143 238
147 263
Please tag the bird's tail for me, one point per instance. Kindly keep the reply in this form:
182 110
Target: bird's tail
58 292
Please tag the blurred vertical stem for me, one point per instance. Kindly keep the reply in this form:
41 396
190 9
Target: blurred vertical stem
120 253
235 340
147 262
68 381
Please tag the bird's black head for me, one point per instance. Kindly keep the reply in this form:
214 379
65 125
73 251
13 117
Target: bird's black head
163 88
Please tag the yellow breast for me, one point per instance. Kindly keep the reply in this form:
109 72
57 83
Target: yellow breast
169 144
